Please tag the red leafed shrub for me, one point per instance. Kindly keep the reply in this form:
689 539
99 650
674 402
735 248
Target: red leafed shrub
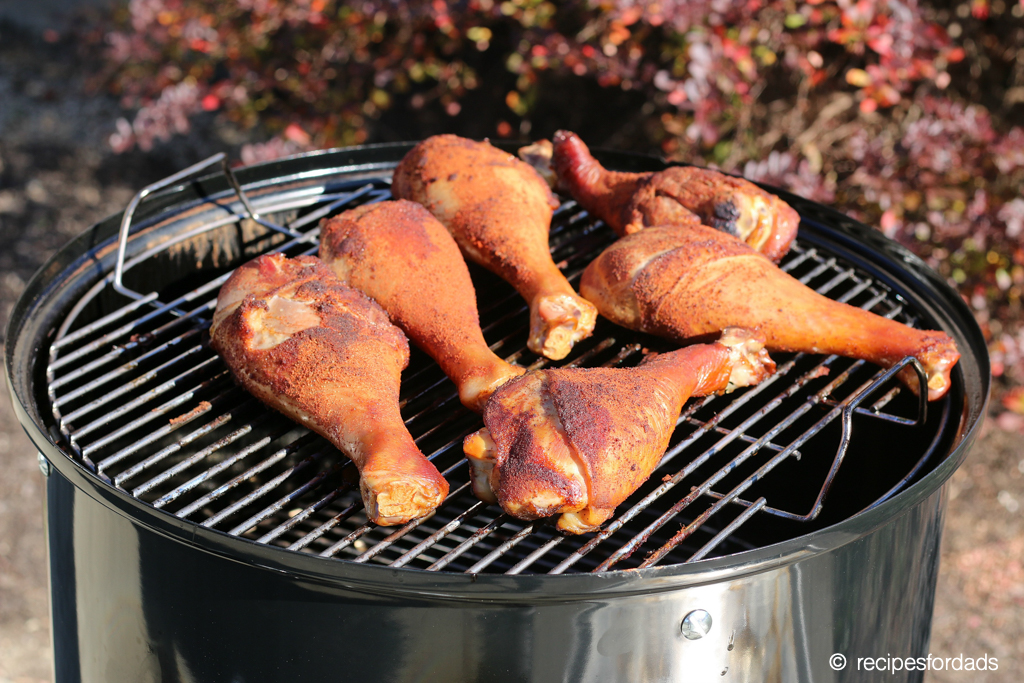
335 67
900 113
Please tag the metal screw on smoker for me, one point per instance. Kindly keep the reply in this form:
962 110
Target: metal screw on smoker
44 465
696 624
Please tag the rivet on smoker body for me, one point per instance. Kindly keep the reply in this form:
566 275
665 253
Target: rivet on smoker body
44 465
696 624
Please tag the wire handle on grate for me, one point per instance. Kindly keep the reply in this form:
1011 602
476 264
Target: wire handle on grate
129 213
845 411
851 406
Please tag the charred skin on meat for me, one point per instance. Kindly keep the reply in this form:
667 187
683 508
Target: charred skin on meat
681 195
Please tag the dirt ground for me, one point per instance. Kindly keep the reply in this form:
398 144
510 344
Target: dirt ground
57 177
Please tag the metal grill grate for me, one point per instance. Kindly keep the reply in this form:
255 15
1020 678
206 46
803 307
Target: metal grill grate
141 401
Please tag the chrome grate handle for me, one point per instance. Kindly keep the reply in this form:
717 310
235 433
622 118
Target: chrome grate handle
171 180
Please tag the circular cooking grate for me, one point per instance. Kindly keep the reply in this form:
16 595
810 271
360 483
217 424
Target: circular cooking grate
139 399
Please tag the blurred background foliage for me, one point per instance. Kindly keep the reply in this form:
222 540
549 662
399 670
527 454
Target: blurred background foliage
905 114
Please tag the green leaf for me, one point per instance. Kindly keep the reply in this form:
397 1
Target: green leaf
722 151
795 20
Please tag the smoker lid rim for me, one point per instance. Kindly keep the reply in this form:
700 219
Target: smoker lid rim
831 225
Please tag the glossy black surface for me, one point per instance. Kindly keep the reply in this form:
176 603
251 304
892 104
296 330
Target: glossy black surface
130 604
